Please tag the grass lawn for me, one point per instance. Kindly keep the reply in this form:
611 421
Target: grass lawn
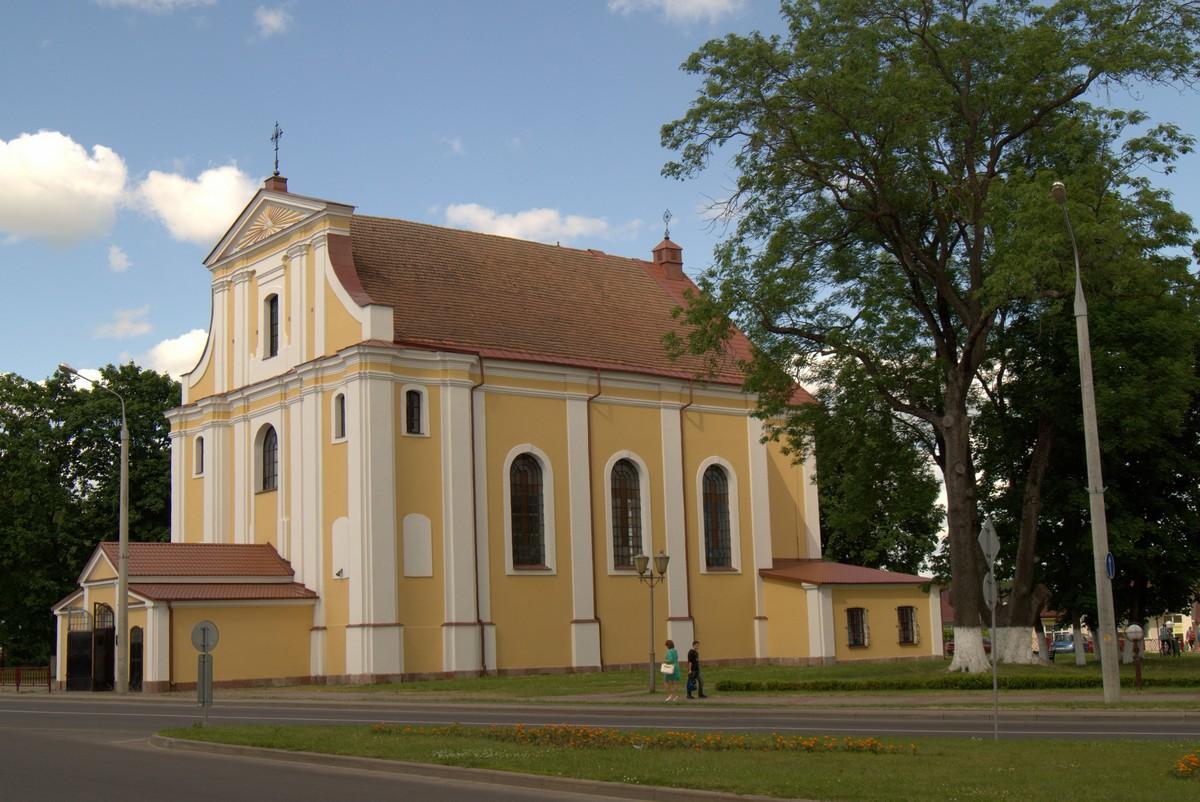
938 768
1185 668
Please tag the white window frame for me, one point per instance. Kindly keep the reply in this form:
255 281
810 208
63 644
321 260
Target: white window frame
333 417
548 538
199 457
404 390
647 518
735 530
259 435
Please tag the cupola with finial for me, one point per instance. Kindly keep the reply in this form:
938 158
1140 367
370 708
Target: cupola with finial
668 256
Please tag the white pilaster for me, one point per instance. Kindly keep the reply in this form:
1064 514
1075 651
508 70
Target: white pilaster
219 334
156 657
319 264
243 480
760 521
812 509
178 500
374 642
821 634
241 327
585 629
298 269
460 632
675 525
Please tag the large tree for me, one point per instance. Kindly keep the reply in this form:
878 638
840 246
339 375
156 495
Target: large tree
59 487
875 146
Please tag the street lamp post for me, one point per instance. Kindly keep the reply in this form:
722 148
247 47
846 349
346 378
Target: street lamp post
1135 634
122 678
642 563
1107 642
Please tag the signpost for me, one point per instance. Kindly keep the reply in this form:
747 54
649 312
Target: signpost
205 637
991 547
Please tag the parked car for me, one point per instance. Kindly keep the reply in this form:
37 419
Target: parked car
1063 646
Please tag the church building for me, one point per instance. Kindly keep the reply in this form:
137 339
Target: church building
412 451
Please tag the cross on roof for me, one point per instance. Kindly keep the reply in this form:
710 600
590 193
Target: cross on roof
275 137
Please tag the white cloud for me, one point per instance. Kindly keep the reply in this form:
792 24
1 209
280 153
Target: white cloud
155 6
176 356
199 210
51 188
118 260
455 144
272 21
683 11
544 225
125 323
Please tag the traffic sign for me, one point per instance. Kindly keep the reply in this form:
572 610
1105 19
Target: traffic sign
989 589
205 636
1110 565
989 542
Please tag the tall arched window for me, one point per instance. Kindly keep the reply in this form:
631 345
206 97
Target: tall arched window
717 553
270 459
339 416
412 418
272 322
528 528
626 513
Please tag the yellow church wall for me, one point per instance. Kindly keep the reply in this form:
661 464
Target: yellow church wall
266 516
252 316
621 599
721 602
420 601
334 505
204 385
786 607
224 529
880 604
523 640
256 641
193 489
785 482
230 338
310 313
341 328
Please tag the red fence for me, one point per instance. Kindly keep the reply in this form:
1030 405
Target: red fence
37 677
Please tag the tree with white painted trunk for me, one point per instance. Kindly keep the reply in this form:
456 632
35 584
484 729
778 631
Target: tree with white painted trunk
882 151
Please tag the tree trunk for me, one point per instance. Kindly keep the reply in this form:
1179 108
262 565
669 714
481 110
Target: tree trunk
966 558
1077 639
1021 610
1014 645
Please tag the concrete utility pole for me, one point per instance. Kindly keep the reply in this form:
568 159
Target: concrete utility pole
1106 640
121 682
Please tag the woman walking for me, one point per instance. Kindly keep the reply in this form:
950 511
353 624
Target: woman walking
672 679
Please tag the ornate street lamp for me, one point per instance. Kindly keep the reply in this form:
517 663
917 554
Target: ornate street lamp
642 564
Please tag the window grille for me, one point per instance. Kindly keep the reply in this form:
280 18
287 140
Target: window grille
717 545
906 623
525 499
857 631
626 514
412 420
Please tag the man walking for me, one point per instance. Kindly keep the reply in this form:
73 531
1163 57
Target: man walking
695 681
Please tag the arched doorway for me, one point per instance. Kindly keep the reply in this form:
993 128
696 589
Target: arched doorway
135 659
104 632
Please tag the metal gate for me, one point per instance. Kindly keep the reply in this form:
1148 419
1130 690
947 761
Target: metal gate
79 651
135 659
104 634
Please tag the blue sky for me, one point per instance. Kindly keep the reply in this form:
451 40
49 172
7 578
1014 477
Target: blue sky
133 131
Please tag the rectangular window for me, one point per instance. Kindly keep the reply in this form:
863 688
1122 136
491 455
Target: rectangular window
273 326
906 622
412 419
857 633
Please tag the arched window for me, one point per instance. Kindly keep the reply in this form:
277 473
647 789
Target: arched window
270 460
272 324
412 412
717 552
199 466
528 527
626 513
339 416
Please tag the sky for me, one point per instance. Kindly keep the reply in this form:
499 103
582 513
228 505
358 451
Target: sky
132 133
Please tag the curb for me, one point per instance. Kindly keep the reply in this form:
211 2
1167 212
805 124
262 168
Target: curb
485 776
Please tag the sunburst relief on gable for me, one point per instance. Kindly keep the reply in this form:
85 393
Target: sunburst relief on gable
271 220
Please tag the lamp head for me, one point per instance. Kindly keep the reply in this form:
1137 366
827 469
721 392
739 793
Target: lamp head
63 366
1059 190
660 563
1134 632
641 563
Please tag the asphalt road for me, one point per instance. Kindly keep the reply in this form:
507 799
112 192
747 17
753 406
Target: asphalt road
97 746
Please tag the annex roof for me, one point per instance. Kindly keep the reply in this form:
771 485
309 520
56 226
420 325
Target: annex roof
201 560
513 299
221 591
824 572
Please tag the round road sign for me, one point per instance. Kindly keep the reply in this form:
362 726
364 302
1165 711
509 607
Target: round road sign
205 636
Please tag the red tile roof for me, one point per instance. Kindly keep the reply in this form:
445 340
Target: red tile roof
509 298
823 572
201 559
221 591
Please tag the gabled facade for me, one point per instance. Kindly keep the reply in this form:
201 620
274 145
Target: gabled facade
459 441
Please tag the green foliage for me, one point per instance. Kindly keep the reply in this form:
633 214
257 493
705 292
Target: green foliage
893 164
59 488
